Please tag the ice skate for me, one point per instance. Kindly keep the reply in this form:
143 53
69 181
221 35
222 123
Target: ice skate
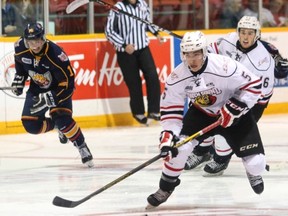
213 168
157 198
194 161
256 183
154 116
141 118
86 155
62 138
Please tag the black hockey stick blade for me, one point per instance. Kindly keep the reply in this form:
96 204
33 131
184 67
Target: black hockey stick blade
58 201
61 202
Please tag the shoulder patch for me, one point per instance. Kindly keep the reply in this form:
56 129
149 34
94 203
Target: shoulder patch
63 57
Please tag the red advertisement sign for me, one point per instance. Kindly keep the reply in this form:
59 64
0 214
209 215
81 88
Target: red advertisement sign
97 72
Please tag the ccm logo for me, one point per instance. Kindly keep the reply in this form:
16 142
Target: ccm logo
250 146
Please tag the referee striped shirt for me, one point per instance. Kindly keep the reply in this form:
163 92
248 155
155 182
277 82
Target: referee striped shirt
122 30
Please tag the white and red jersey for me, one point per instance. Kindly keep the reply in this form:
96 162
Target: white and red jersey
258 60
219 79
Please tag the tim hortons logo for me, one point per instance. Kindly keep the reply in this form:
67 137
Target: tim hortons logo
111 73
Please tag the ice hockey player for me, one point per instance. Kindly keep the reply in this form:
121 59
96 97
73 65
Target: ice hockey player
245 47
218 87
51 88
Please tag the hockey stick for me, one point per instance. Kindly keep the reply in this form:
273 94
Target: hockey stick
61 202
7 88
78 3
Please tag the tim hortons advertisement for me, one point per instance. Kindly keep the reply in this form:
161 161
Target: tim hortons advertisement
98 75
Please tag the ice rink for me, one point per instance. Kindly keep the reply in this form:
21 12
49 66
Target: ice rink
35 169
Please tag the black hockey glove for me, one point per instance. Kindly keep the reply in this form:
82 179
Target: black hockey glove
18 85
42 101
166 146
281 67
232 111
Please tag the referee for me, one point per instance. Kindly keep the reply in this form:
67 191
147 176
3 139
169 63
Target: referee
129 38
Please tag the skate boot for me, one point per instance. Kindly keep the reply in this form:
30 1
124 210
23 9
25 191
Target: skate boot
215 169
154 116
166 187
158 198
142 119
86 155
256 183
62 138
193 160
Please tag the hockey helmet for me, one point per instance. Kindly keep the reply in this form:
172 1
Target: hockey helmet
193 41
34 31
250 22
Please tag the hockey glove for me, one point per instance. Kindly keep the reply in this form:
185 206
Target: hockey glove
42 101
232 111
166 146
281 68
18 85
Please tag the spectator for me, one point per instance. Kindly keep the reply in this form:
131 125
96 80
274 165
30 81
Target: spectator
9 27
231 14
27 12
67 24
267 18
277 9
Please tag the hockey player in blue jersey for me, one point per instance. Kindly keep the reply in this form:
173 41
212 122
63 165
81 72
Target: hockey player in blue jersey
51 88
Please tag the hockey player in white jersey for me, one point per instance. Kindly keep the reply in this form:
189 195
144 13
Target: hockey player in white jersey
243 46
218 87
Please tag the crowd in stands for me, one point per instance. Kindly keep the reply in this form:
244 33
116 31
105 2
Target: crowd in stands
168 14
16 15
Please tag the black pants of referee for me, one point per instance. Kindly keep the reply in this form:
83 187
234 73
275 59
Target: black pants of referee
130 66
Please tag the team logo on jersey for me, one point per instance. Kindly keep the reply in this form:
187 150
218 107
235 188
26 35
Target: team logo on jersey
205 100
42 80
63 57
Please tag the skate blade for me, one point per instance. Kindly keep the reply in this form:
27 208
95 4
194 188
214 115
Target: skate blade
90 164
149 207
205 174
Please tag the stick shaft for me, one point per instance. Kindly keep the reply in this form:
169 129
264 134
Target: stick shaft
78 3
137 18
7 88
58 201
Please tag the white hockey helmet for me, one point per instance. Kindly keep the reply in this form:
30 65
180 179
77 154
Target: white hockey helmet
193 41
250 22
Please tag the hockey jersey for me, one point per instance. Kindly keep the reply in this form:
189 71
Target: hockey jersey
257 60
50 71
219 79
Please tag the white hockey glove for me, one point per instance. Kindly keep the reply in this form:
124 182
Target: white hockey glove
166 146
18 85
42 101
232 111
